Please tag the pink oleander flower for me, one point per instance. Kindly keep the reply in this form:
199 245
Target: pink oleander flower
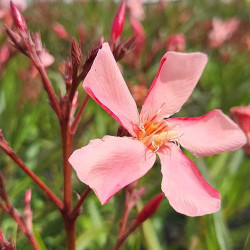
222 31
241 115
136 9
111 163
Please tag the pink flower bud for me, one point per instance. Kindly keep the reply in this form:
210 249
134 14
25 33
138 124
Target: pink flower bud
140 36
27 197
17 17
4 54
60 31
118 23
81 33
75 100
149 209
74 107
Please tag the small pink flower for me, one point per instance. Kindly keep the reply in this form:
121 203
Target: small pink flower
136 9
222 31
241 115
176 42
111 163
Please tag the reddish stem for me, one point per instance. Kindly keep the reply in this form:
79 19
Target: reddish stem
67 145
40 67
123 237
8 150
79 114
77 208
124 220
49 89
70 228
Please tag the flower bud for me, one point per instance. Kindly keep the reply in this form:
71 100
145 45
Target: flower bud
60 31
149 209
118 23
17 17
241 115
4 54
27 197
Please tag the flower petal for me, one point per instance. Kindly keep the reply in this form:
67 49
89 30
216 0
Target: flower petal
176 78
105 84
111 163
209 134
188 193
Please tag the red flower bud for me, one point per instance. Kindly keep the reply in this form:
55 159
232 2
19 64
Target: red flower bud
118 22
17 17
149 209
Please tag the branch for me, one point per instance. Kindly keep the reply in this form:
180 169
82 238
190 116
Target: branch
8 150
76 210
79 114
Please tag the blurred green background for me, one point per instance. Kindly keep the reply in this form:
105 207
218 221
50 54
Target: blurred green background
32 130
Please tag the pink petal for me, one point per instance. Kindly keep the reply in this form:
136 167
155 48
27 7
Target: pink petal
111 163
105 84
209 134
188 193
176 78
47 59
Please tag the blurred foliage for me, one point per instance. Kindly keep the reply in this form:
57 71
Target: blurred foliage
32 130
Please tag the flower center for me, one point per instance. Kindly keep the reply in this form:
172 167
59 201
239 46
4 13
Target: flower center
155 134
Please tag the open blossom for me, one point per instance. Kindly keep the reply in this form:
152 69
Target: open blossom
109 164
241 115
136 9
222 31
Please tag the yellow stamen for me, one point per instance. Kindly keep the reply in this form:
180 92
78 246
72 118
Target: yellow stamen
155 134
